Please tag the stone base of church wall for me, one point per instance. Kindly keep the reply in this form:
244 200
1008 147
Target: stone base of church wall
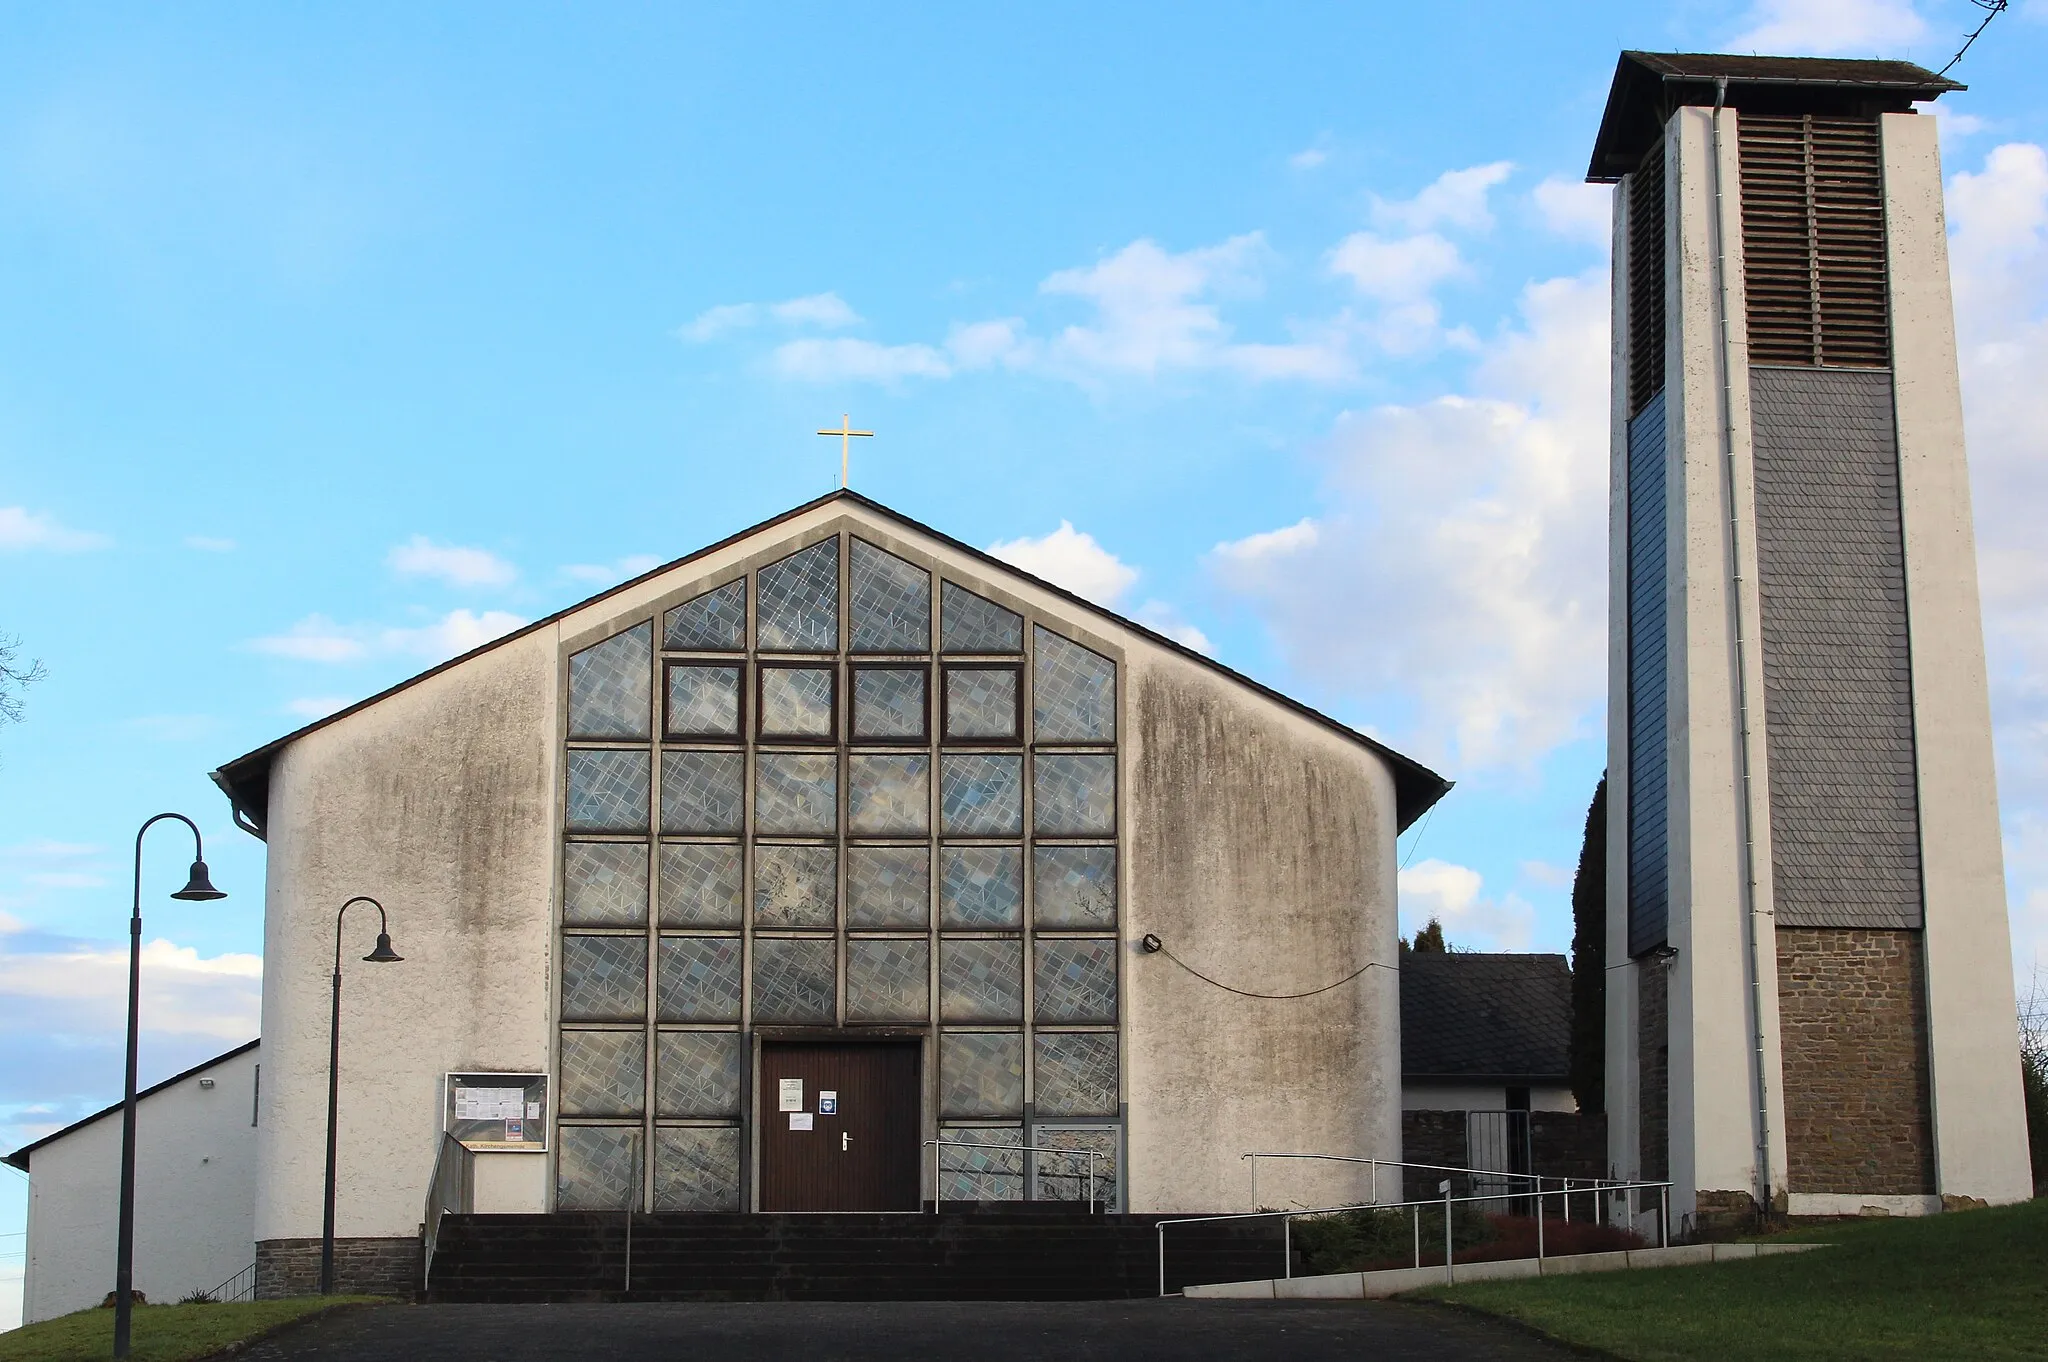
362 1267
1852 1006
1436 1137
1653 1068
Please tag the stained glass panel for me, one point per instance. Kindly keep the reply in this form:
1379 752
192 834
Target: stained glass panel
796 792
703 700
1074 793
1073 886
992 1170
891 602
1067 1177
796 886
888 704
981 704
1073 692
604 1073
797 603
700 886
604 978
703 792
1074 981
888 886
981 887
608 792
796 702
604 884
715 622
795 981
981 981
888 980
608 684
975 624
1074 1075
981 1075
598 1169
981 794
697 1074
697 979
889 795
697 1168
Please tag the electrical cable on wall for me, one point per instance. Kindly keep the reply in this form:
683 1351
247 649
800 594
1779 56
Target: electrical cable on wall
1154 946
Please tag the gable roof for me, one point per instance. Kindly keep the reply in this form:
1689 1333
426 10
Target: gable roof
246 779
1469 1015
19 1158
1649 86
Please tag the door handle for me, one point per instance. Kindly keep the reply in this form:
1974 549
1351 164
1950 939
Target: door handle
845 1141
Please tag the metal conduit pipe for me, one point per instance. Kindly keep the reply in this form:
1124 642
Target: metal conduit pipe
1743 738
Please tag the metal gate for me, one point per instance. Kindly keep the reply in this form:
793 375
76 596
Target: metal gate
1498 1143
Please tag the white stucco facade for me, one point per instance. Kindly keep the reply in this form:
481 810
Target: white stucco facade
1257 842
195 1180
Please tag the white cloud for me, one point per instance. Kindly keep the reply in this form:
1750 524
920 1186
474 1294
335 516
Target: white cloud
1828 27
1576 210
421 557
319 639
310 707
1308 158
1163 618
1399 270
827 311
606 574
1548 875
1456 198
1068 558
81 989
844 358
1459 571
206 543
1472 921
21 528
66 879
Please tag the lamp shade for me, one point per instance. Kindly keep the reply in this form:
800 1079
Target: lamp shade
383 955
199 887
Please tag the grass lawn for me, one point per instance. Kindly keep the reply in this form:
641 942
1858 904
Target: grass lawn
1971 1284
162 1333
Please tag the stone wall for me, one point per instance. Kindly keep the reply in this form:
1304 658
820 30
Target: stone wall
363 1267
1653 1067
1568 1144
1853 1012
1430 1137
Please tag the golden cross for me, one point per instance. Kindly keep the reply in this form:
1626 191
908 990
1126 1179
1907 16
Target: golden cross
846 432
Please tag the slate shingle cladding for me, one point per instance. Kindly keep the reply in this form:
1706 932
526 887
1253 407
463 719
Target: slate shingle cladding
1837 678
1467 1015
1647 734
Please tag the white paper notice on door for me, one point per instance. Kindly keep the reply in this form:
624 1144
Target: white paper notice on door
790 1092
800 1120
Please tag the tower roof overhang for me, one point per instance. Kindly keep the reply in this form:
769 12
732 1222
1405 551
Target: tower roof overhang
246 779
1649 86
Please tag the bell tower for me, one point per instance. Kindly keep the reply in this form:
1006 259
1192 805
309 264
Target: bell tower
1812 1004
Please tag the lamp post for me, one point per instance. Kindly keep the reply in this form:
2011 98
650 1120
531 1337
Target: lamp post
382 955
198 889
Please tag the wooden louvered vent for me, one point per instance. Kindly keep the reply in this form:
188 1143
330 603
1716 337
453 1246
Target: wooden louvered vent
1646 280
1813 241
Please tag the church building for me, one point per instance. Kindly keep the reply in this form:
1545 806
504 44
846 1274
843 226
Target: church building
735 886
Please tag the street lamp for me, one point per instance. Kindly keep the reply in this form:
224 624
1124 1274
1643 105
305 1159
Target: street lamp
198 889
382 955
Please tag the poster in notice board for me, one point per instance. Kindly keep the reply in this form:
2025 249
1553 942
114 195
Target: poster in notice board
498 1112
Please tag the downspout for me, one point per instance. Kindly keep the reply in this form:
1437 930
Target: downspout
1754 938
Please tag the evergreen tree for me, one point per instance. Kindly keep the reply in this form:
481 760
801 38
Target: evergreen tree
1589 960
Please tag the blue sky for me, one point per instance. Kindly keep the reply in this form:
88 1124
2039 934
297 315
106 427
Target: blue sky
332 343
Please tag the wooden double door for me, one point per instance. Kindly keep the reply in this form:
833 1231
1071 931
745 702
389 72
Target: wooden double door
839 1126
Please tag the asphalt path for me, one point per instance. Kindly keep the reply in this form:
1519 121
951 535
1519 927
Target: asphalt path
907 1331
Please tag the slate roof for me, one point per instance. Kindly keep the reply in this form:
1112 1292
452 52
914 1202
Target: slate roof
246 779
1649 86
20 1157
1474 1016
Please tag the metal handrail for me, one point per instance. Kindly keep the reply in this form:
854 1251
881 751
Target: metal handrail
240 1286
1385 1163
451 1190
1287 1218
938 1176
